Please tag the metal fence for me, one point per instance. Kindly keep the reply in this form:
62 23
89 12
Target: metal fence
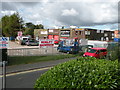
33 51
113 50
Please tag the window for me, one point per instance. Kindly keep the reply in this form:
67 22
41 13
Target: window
102 31
112 34
105 34
79 32
65 33
103 50
98 31
107 39
102 38
87 32
92 50
76 32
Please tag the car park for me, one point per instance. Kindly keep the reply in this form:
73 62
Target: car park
32 43
68 47
96 52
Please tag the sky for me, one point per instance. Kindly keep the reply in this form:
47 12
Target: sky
97 14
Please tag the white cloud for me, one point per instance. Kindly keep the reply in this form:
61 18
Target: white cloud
71 12
8 12
39 22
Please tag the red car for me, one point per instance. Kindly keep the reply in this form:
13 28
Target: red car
96 52
56 41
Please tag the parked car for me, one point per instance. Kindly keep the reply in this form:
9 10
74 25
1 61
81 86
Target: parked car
56 41
32 43
96 52
73 48
84 48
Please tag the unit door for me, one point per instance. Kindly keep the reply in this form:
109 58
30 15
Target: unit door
50 36
56 37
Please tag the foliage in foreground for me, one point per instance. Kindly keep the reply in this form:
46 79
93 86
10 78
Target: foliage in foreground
84 72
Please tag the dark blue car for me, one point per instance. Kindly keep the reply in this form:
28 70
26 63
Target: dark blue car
68 49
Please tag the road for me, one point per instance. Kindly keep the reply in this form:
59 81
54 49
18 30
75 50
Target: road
25 79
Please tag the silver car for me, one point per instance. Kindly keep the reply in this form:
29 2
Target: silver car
32 43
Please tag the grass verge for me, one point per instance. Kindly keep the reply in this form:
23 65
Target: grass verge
16 60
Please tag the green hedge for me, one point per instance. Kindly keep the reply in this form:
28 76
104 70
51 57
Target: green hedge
85 72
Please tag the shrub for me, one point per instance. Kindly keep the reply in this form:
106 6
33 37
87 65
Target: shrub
85 72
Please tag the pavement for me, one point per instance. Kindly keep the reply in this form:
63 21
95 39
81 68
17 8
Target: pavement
26 67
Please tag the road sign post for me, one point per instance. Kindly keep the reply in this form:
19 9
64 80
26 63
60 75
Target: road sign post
4 75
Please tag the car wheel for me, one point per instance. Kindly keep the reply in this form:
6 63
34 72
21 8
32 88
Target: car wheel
58 50
68 52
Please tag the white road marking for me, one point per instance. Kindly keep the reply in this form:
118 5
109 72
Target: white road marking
40 69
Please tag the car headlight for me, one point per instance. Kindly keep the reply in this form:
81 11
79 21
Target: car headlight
83 54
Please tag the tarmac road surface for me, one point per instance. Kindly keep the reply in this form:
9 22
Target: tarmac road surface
25 79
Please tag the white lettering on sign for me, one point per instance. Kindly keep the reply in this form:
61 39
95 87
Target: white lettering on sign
44 32
50 30
4 42
4 39
46 43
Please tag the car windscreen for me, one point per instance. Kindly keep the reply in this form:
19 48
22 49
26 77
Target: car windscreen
92 50
31 41
25 38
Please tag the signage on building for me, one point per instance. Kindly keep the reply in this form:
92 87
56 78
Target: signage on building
68 42
79 29
43 43
19 33
65 33
44 32
4 42
50 30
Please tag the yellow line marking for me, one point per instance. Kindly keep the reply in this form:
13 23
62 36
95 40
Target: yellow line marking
40 69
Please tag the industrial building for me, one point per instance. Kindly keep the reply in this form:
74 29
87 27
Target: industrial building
70 33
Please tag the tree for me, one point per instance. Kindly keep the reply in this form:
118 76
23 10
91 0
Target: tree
29 28
40 26
11 24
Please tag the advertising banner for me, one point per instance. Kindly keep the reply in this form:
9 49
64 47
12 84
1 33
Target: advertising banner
68 42
44 32
4 42
44 43
65 33
19 33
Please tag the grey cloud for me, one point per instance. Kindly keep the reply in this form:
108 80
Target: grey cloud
15 5
29 4
89 16
8 6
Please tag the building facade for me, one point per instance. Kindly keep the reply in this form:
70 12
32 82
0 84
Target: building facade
53 34
101 35
117 33
71 33
41 33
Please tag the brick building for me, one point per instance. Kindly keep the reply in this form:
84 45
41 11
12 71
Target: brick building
70 33
102 35
53 34
117 33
